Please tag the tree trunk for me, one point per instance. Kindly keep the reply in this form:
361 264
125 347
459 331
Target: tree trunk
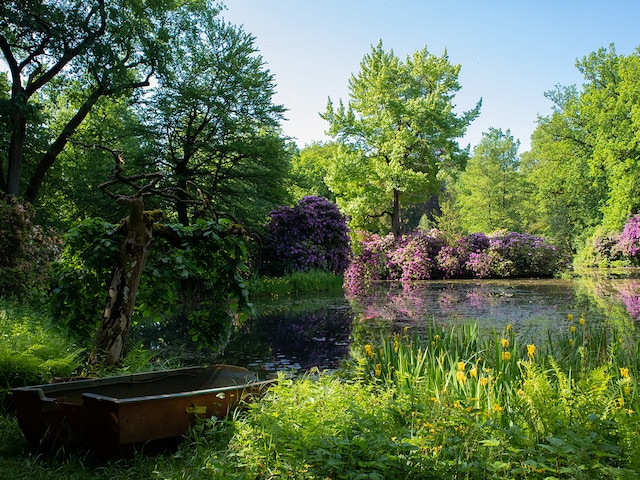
16 149
116 320
50 156
395 214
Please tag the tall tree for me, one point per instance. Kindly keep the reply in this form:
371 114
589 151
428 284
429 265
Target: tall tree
566 195
215 127
97 48
585 157
398 131
490 189
309 169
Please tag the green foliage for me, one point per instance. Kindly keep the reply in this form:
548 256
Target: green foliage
452 403
212 124
309 169
490 190
599 250
295 283
26 250
584 157
81 276
397 132
88 50
31 351
202 283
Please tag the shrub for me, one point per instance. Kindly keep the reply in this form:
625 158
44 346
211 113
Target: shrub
431 255
201 284
26 250
415 257
524 255
30 351
599 250
313 235
629 240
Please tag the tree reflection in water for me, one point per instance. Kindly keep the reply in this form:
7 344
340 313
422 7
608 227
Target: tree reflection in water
302 333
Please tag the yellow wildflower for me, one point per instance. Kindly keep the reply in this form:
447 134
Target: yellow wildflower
436 337
461 366
570 317
627 390
378 370
505 343
462 378
571 341
497 408
369 350
509 327
572 329
506 356
484 381
474 372
619 402
531 351
624 372
582 321
520 392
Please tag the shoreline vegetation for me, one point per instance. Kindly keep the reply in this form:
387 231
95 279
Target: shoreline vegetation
447 404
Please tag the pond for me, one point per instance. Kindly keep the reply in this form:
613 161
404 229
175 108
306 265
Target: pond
300 333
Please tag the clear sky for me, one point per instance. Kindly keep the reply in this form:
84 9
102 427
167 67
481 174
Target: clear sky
510 52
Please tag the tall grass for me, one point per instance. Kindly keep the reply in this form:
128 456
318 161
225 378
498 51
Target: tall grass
295 283
449 404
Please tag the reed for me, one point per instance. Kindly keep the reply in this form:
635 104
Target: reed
296 283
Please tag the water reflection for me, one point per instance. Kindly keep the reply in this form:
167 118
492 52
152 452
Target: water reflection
294 335
316 331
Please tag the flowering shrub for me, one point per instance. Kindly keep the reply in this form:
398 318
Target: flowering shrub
313 235
415 257
524 255
430 255
26 249
629 240
370 263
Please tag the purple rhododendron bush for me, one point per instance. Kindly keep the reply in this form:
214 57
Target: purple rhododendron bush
313 235
433 255
629 240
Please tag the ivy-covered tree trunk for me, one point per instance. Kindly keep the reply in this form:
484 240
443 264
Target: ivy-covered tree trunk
116 320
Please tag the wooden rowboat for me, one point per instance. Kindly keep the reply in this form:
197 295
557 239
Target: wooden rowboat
115 415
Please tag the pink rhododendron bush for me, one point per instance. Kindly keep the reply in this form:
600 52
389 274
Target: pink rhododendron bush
629 240
432 255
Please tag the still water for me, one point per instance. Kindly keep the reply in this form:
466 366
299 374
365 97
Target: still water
300 333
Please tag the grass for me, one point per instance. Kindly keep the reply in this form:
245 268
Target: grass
296 283
450 404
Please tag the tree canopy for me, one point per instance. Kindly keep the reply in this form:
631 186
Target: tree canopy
95 49
584 158
490 190
397 132
212 123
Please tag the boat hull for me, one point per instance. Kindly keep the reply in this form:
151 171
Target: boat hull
116 415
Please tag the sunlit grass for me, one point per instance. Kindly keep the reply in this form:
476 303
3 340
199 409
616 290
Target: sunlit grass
450 403
296 283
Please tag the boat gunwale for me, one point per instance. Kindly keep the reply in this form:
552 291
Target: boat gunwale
186 393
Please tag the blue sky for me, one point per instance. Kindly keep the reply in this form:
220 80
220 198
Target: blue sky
510 52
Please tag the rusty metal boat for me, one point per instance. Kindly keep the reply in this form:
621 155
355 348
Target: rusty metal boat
115 415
